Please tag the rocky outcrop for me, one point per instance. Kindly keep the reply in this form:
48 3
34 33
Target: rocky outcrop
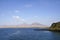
55 27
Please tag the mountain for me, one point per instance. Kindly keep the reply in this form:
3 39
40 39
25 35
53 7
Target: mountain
38 25
24 25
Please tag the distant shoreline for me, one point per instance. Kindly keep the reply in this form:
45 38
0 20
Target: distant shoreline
26 27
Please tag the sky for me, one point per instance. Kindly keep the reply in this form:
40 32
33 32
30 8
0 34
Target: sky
15 12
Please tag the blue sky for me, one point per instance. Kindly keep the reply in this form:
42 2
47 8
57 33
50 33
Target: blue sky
14 12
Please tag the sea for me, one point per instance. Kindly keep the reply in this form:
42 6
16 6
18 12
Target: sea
27 34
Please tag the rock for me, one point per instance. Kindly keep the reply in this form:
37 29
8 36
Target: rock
55 27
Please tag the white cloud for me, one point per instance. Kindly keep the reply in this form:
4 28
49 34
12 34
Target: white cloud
35 16
28 5
18 18
23 19
17 11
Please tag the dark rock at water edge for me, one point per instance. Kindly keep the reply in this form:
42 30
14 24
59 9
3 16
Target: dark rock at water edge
40 29
55 27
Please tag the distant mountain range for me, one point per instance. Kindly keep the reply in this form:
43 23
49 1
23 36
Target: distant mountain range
33 25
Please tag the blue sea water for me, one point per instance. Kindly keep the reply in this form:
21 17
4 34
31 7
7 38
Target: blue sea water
27 34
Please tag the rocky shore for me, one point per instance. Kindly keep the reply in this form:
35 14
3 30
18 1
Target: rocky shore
55 27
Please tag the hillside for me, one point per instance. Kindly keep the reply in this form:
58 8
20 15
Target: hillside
55 27
33 25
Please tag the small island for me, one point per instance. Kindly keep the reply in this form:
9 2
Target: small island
55 27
